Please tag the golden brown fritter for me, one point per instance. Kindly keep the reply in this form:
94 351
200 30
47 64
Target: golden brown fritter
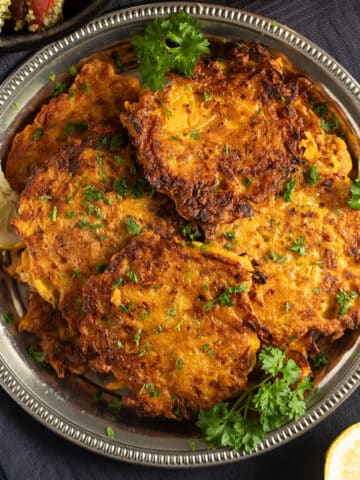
162 320
304 252
89 110
76 212
61 351
202 139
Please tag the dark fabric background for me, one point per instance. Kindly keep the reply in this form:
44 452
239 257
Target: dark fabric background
30 451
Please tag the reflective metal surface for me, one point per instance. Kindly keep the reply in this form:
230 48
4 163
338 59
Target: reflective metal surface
69 406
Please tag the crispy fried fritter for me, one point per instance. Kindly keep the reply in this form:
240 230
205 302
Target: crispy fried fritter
62 352
148 321
303 253
87 112
202 138
76 212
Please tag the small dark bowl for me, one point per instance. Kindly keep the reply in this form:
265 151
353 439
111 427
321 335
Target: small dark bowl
76 14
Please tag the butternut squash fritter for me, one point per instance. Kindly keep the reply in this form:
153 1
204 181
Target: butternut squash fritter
76 212
202 138
162 320
89 110
304 253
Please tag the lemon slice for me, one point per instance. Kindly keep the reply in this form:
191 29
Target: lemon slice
342 458
9 240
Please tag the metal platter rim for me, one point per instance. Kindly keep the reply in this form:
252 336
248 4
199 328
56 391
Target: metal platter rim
60 421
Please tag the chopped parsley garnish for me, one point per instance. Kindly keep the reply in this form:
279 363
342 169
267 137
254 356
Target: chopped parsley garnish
151 389
227 149
60 87
53 214
72 70
320 360
225 298
312 176
75 273
289 187
69 199
228 246
132 277
121 186
344 300
15 106
144 315
118 65
38 357
137 337
159 328
85 86
179 364
320 109
190 232
119 345
230 235
178 326
277 398
207 96
287 307
166 110
110 433
139 188
118 283
96 210
276 257
75 128
118 160
91 194
299 246
128 309
100 267
206 348
247 181
8 317
195 135
354 200
115 404
171 312
330 125
174 43
132 227
37 133
117 141
45 198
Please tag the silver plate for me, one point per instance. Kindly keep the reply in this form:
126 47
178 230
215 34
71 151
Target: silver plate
66 406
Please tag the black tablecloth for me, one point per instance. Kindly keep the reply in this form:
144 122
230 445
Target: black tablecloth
30 451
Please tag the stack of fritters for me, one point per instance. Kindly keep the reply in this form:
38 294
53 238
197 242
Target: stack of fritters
238 150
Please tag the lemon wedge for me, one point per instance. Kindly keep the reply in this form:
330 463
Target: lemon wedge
342 460
9 240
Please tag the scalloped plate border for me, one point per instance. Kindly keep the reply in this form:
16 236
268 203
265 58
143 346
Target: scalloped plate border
36 406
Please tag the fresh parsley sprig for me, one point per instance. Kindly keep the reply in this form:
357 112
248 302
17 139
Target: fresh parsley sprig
279 397
354 200
174 43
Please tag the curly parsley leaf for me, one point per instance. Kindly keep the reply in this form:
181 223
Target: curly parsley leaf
344 300
173 43
279 397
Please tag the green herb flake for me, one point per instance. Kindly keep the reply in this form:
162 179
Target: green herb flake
132 277
137 337
288 189
354 200
344 300
168 112
178 326
117 141
38 357
207 96
45 198
75 273
115 404
72 70
195 135
132 227
85 86
179 364
75 128
60 87
38 132
69 199
320 360
230 235
190 232
228 246
330 125
118 65
287 307
247 181
316 290
121 186
8 317
53 214
110 433
299 246
312 176
119 345
15 106
159 328
225 298
171 312
118 283
100 267
227 149
276 257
